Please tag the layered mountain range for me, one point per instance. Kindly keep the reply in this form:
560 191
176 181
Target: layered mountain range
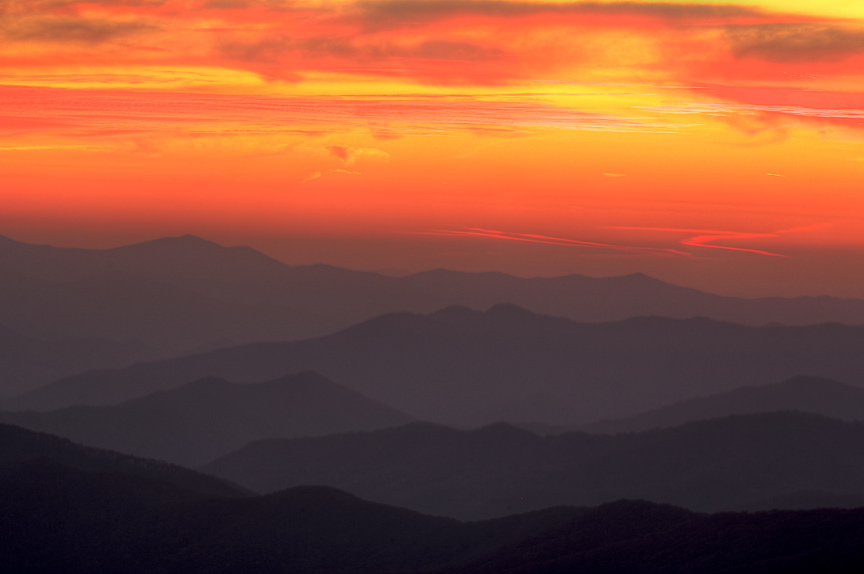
180 295
74 509
345 421
200 421
468 368
803 394
734 463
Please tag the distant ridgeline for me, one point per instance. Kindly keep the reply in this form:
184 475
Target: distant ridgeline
66 508
745 462
471 368
201 421
65 311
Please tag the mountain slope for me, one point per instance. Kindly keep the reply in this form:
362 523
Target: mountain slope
464 367
805 394
711 465
198 422
21 446
644 538
55 518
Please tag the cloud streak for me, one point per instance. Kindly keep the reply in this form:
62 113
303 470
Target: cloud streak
705 238
850 117
312 177
559 241
167 112
350 155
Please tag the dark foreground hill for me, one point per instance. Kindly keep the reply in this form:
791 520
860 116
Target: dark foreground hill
19 446
200 421
804 394
464 367
736 462
55 518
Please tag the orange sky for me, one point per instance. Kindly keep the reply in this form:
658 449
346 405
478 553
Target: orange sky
710 144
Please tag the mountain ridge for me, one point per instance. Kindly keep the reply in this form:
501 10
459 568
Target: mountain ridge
805 394
715 465
199 421
464 367
20 445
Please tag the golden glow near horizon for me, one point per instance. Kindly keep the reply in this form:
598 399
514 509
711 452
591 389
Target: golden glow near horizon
693 131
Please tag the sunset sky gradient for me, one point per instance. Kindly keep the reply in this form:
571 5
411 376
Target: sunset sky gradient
710 144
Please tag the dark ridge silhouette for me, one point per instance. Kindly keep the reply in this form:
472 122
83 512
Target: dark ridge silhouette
710 465
644 538
58 519
26 362
200 421
21 446
805 394
469 368
55 518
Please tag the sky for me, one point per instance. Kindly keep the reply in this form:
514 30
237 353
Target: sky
710 144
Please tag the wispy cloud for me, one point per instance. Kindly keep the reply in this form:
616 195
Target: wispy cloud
65 147
766 116
312 177
560 241
706 237
351 155
132 111
722 108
